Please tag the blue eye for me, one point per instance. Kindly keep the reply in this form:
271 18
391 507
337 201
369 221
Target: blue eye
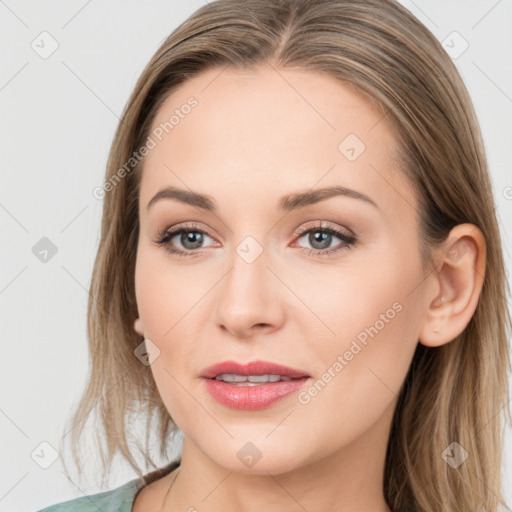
192 238
322 237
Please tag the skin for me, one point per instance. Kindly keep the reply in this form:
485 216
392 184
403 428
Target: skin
253 138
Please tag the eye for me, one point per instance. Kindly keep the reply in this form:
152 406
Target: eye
189 236
321 237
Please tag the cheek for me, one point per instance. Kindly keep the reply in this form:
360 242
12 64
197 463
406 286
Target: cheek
376 322
165 293
168 301
362 371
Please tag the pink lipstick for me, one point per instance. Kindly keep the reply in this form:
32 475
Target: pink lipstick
251 386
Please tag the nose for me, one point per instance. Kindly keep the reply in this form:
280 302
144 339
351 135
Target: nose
249 299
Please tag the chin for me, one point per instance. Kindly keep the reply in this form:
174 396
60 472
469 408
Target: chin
256 458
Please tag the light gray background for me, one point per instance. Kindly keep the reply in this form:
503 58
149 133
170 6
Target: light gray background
57 121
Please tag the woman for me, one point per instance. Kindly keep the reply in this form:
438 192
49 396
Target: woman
300 269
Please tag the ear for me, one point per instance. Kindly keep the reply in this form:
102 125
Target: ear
137 325
457 283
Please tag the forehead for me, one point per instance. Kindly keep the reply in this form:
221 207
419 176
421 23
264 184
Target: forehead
272 129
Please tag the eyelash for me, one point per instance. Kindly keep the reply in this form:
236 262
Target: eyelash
163 238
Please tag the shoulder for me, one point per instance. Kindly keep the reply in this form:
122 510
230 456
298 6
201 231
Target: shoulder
115 500
120 499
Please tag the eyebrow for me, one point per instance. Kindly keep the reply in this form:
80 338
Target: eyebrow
286 203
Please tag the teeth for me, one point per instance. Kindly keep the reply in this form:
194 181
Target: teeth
232 377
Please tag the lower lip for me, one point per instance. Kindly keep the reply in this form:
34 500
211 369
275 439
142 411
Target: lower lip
251 398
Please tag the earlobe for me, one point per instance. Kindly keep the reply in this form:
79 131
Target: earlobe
137 325
459 281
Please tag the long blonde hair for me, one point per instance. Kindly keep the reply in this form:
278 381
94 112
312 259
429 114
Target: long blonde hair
382 50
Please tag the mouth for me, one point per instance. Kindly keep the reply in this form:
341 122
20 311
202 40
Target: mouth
252 386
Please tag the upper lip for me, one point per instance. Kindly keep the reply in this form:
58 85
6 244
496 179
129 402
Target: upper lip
252 368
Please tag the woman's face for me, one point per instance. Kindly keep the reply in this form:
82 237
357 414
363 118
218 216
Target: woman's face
264 278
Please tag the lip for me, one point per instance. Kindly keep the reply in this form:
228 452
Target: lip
252 397
252 368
